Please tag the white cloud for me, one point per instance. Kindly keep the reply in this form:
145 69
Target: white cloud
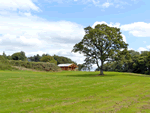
95 23
22 40
121 3
35 35
124 38
18 4
94 67
138 29
27 14
142 49
130 49
106 4
103 22
148 47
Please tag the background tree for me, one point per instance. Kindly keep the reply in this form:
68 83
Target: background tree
45 55
19 56
144 53
63 60
4 55
139 63
49 59
148 64
35 58
9 57
103 43
80 67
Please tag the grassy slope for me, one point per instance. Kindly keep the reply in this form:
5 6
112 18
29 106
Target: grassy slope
73 92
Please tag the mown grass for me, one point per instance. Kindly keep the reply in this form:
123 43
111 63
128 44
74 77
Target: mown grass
73 92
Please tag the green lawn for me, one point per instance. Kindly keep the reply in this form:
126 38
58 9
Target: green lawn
73 92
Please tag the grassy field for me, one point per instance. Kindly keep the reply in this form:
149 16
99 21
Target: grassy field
73 92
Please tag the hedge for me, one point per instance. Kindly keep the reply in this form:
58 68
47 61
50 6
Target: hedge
42 66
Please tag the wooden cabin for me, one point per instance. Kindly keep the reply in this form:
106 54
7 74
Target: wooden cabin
68 66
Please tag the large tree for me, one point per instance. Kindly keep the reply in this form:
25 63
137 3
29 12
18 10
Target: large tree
101 44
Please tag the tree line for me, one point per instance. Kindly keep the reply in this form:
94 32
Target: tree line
138 63
37 58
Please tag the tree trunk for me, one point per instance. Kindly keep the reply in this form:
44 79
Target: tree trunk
101 70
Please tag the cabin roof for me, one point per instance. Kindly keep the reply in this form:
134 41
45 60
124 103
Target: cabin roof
64 65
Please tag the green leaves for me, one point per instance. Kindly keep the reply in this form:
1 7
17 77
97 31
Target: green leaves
49 59
63 60
19 56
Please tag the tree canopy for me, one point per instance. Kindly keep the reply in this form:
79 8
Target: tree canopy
35 58
139 63
48 59
63 60
100 44
19 56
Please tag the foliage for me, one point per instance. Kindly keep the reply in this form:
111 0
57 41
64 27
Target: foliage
35 58
4 64
49 59
4 55
84 67
2 58
148 64
101 44
6 67
139 63
144 53
45 55
63 60
19 56
9 57
59 59
80 67
42 66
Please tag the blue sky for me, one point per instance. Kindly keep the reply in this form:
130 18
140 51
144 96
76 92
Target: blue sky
55 26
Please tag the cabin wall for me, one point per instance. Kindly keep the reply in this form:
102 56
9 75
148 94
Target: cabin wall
67 68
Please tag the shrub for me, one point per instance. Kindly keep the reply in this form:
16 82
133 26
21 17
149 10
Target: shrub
7 67
42 66
4 64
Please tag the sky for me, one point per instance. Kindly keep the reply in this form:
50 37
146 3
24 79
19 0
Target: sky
55 26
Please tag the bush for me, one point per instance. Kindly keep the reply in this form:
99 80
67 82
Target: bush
7 67
42 66
4 64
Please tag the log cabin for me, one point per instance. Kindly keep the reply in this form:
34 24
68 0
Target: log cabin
68 66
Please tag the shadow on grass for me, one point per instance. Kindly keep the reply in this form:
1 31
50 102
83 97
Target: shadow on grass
91 75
